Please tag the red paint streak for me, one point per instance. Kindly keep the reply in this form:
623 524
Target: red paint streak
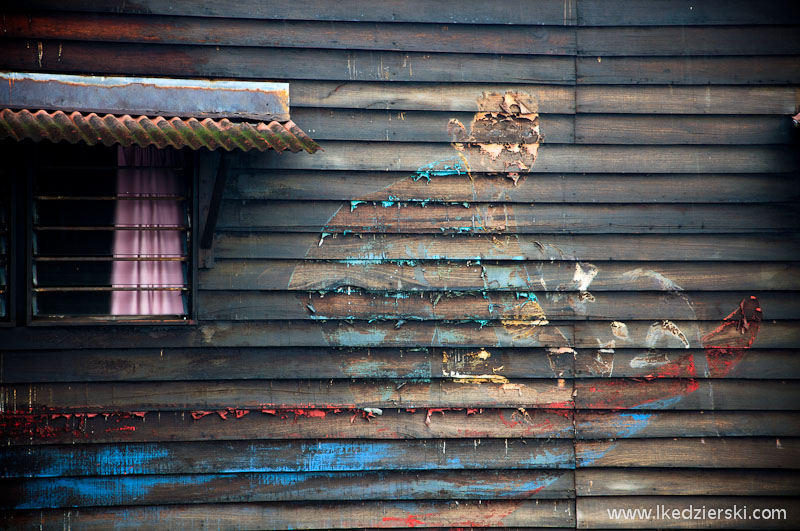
726 345
410 521
200 414
121 428
269 411
567 404
241 413
139 414
506 423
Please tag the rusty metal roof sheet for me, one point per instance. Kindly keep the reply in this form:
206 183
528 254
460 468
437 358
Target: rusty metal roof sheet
159 131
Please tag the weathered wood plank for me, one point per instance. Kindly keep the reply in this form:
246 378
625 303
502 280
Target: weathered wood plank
621 424
283 456
320 515
547 12
739 452
488 305
685 13
616 129
687 40
695 70
378 247
418 126
200 397
663 393
542 188
685 100
113 27
537 276
432 158
283 63
502 218
648 482
721 512
423 97
37 429
284 487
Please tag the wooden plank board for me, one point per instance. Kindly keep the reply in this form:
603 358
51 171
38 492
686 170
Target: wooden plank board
417 126
284 487
625 424
426 158
502 218
44 429
695 70
378 247
537 276
617 129
284 456
210 396
284 63
648 482
550 12
541 188
728 513
113 27
320 515
423 96
682 394
738 452
687 40
685 13
488 305
685 99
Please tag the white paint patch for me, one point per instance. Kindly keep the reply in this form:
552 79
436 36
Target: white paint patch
649 361
663 282
666 332
584 275
620 330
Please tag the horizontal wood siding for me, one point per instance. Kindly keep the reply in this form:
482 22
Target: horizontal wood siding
545 268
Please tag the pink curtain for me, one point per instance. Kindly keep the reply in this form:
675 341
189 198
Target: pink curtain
146 172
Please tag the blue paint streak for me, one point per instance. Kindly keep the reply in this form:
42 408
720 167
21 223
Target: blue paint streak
587 457
660 404
455 167
633 423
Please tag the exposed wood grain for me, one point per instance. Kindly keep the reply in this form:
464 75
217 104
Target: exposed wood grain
502 218
686 100
665 393
616 129
645 482
423 97
688 40
626 424
379 247
414 126
685 12
593 512
694 70
541 188
244 487
44 429
256 394
320 515
112 27
537 276
284 456
554 12
414 157
739 452
284 63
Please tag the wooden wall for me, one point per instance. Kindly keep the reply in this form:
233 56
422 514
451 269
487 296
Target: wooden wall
546 267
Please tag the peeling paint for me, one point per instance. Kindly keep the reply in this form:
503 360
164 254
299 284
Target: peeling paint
663 333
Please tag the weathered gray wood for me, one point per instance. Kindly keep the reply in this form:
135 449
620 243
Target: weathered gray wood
210 396
400 156
688 40
627 424
648 482
541 188
381 247
285 487
537 276
687 394
284 63
114 27
695 70
27 429
739 452
684 99
320 515
734 129
685 12
593 512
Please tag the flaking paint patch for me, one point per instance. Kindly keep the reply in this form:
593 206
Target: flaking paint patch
664 333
